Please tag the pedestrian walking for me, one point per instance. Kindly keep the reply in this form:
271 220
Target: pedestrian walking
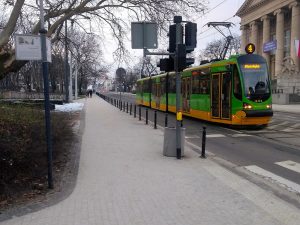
89 91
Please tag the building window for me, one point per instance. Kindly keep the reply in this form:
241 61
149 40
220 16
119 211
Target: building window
287 43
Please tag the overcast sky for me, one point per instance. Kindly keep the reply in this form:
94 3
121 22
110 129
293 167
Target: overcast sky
218 11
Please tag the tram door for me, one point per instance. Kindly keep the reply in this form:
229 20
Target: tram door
226 96
221 95
186 94
215 95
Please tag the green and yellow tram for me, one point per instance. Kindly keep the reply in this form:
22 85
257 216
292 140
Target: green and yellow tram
235 91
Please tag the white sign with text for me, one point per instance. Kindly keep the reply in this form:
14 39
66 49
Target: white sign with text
28 47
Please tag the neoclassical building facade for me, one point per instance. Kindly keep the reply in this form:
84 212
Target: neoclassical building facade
274 27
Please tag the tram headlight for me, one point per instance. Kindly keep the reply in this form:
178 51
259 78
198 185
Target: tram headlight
247 106
269 106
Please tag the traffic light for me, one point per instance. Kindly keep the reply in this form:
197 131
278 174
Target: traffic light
190 36
172 38
166 64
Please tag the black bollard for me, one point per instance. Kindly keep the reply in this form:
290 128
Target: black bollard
127 107
181 123
166 120
134 111
146 116
130 109
203 143
155 119
124 107
121 104
140 113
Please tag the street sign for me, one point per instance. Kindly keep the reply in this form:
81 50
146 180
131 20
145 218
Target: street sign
28 47
143 35
270 46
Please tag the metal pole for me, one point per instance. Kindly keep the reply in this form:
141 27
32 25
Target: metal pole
134 113
76 82
71 66
178 94
66 63
146 116
155 119
140 113
130 109
166 120
46 94
203 143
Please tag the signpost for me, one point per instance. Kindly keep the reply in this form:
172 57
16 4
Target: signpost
34 47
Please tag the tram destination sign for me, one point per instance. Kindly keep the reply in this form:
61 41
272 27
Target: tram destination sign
270 46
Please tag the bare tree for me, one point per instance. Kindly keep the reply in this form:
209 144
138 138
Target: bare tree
112 13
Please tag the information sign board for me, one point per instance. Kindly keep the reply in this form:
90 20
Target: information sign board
270 46
143 35
28 47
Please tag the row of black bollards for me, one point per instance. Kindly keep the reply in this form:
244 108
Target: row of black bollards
122 105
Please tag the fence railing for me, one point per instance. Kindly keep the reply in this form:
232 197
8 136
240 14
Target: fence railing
27 95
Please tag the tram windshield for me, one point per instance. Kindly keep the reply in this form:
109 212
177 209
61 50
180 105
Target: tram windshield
256 81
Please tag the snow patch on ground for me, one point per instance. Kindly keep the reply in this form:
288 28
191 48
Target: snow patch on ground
69 107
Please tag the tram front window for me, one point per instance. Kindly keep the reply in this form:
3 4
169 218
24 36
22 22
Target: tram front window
256 81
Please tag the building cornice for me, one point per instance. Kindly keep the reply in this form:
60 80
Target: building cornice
244 9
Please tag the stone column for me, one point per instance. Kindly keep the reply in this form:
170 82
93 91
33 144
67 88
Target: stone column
254 32
243 38
295 31
266 36
280 41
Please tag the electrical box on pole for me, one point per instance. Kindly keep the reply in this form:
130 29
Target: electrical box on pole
181 57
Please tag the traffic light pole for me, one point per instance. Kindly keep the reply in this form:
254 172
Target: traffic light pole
177 51
178 91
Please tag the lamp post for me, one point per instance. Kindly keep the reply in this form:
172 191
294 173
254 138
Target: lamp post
66 63
71 64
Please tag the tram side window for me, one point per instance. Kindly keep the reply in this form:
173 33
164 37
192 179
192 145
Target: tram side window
196 87
138 87
153 87
237 90
172 87
204 84
163 85
146 86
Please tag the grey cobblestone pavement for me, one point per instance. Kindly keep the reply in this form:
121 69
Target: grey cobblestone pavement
125 180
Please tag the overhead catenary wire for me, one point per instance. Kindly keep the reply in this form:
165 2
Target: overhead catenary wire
216 6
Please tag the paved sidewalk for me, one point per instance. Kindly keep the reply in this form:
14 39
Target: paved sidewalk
125 180
287 108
